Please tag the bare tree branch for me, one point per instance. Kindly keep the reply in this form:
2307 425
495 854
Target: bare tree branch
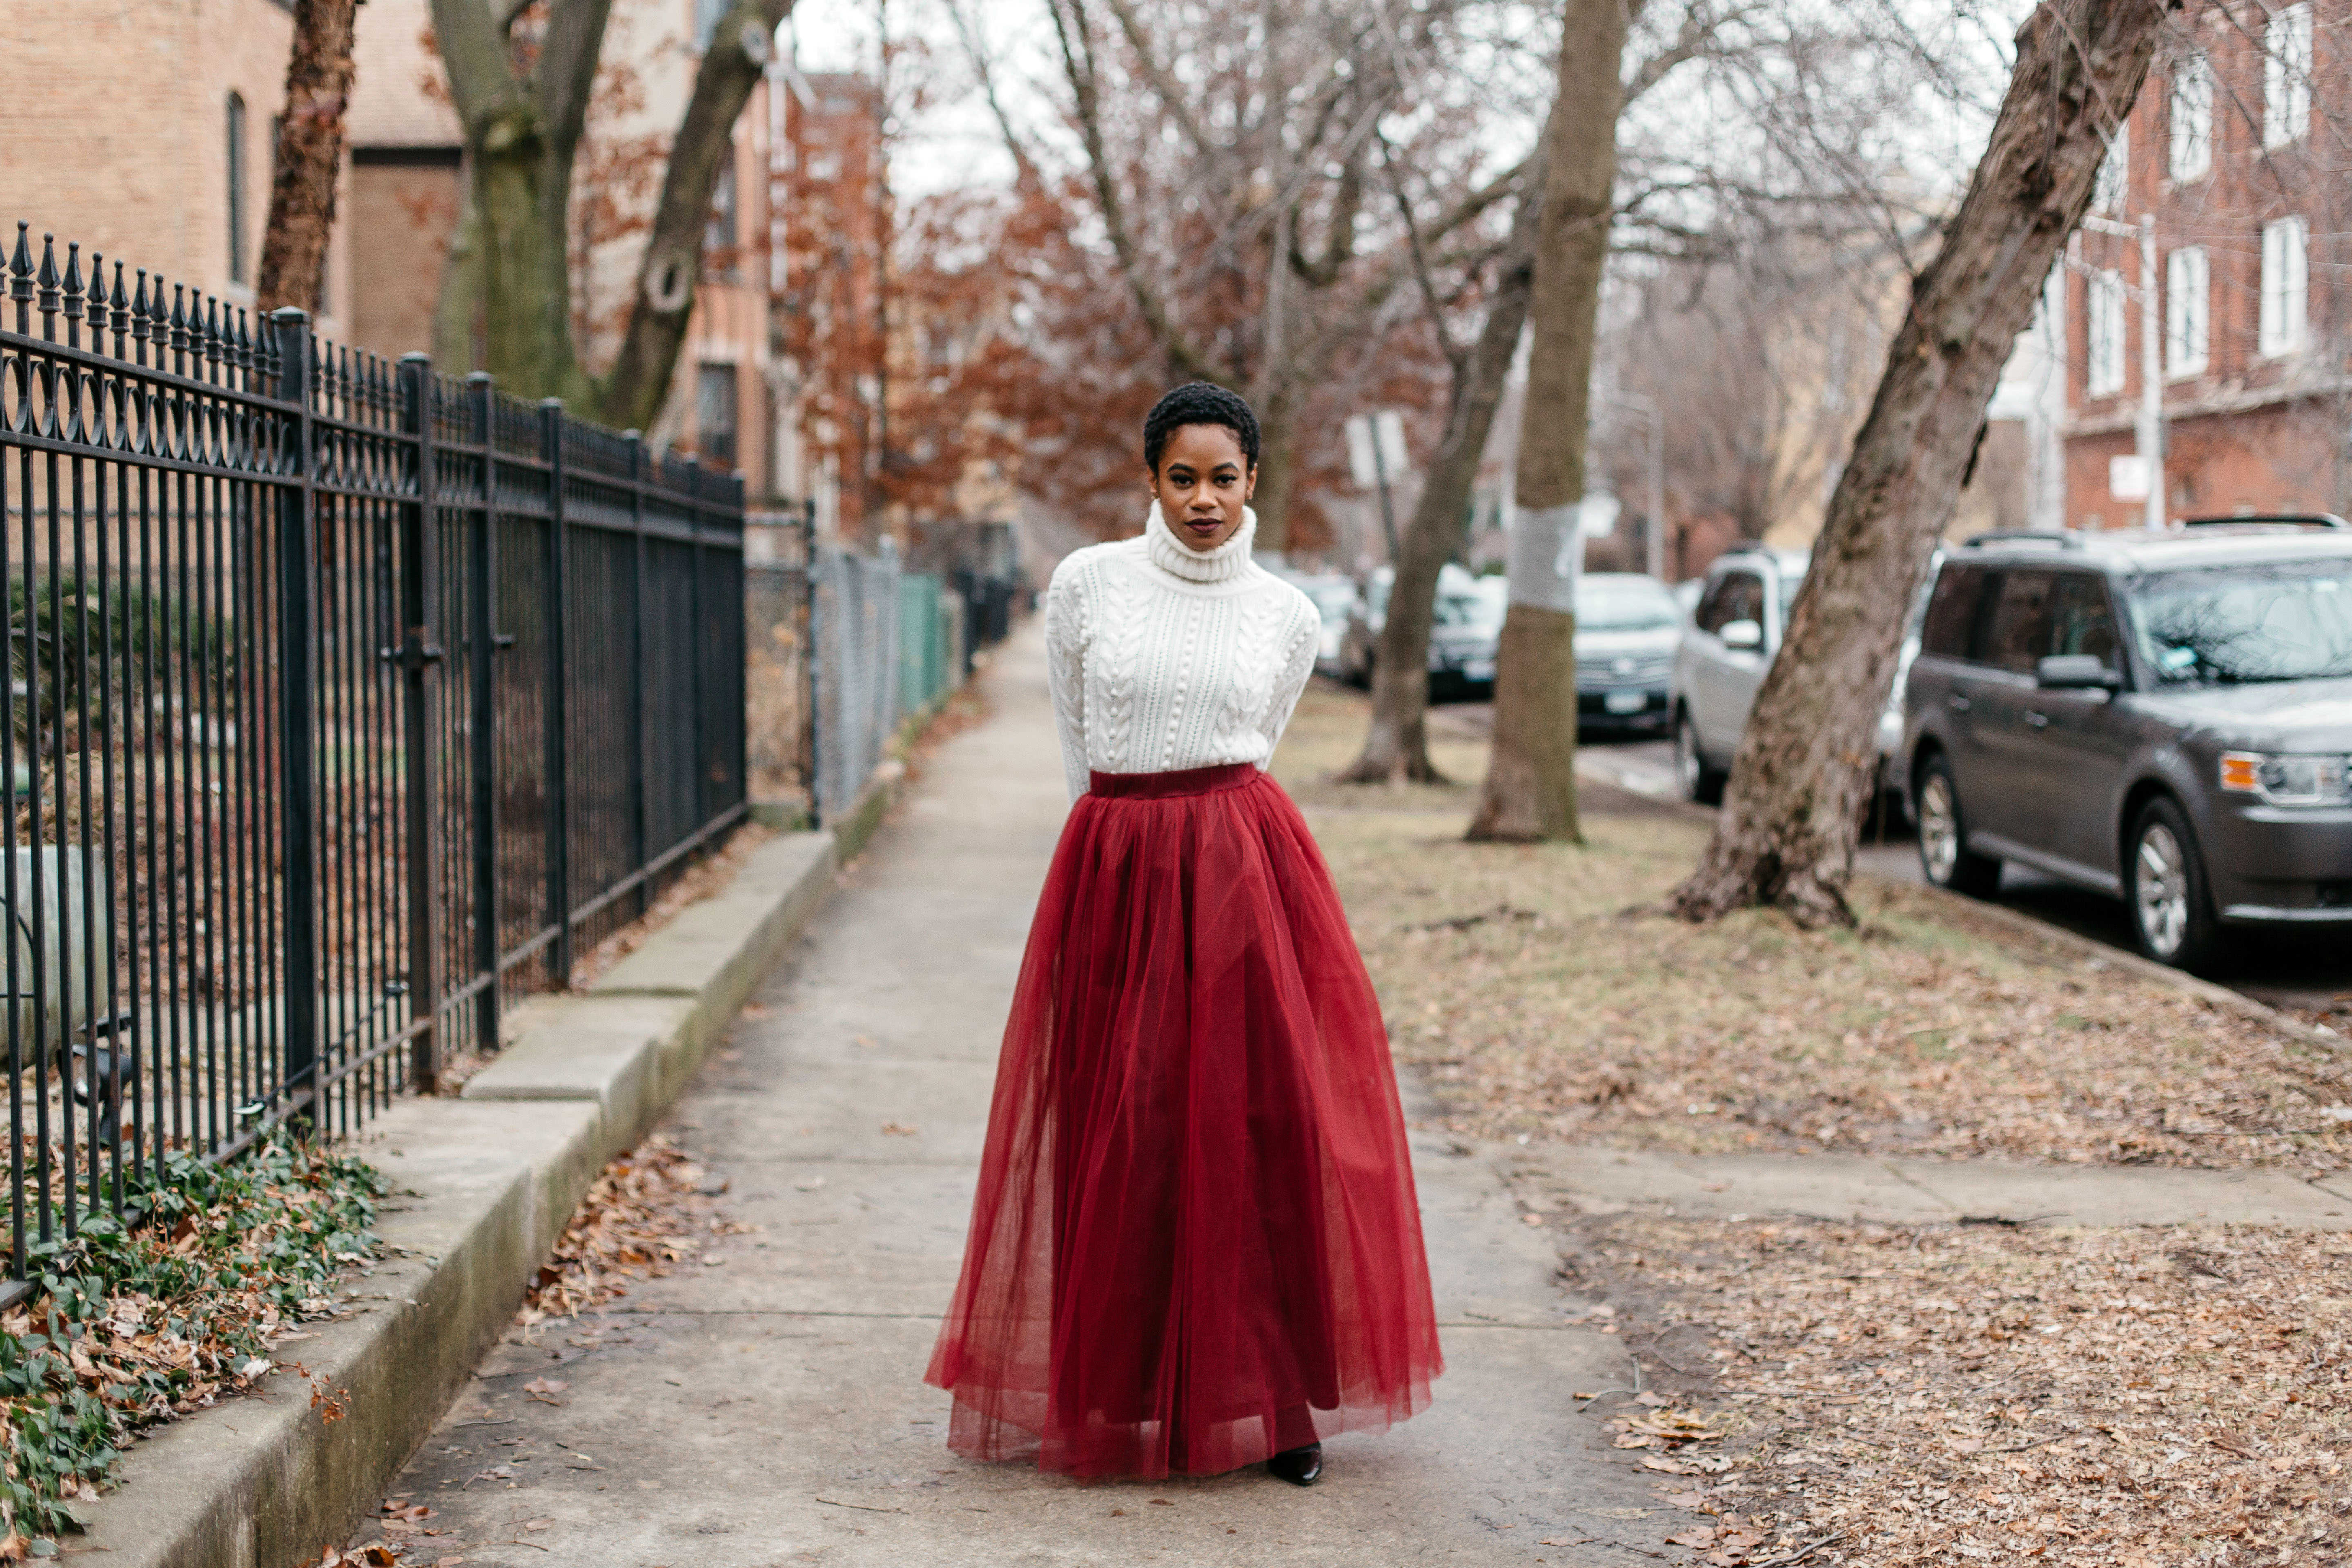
1170 93
474 53
566 67
1077 59
631 394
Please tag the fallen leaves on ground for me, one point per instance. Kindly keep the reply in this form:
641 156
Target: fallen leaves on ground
645 1212
1549 1000
1961 1394
130 1328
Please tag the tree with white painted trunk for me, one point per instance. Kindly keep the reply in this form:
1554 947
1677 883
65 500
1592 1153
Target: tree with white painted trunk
1530 789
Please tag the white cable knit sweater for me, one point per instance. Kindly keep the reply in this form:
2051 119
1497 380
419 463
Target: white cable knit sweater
1163 658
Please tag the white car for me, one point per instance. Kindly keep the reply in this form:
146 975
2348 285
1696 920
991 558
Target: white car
1735 631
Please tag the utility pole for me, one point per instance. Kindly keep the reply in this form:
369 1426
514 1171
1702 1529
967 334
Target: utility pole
2147 429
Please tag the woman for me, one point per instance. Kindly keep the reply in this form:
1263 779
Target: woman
1195 1245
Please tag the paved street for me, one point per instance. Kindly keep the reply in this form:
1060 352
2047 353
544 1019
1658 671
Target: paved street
768 1408
2309 972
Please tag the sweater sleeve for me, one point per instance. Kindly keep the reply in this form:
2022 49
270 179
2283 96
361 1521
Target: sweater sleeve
1066 672
1301 633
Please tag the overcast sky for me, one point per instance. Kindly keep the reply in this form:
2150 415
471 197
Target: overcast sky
952 141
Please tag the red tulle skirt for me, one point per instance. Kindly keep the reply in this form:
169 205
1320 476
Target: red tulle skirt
1195 1242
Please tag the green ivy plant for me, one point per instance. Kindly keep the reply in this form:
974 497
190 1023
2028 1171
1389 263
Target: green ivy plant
133 1325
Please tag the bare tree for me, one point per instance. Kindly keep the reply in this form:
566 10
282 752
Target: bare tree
1767 356
318 77
1396 745
1786 834
1231 166
1530 789
521 75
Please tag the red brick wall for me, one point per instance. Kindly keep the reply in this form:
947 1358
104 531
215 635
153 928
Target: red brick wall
2251 432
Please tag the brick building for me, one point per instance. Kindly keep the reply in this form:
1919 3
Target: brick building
2231 150
146 132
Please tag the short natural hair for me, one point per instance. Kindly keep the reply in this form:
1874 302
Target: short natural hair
1199 403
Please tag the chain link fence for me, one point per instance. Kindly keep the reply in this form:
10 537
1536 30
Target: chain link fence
888 645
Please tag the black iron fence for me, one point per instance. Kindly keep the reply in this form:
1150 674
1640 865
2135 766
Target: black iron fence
345 699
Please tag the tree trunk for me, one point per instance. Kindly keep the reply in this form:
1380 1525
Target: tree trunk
632 393
1277 428
1530 790
319 75
522 187
1397 744
457 312
1786 833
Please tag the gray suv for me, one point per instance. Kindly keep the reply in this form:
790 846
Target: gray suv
2164 718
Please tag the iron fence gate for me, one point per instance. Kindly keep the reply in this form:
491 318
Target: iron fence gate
345 698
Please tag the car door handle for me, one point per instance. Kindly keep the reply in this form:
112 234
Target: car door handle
2037 720
1957 704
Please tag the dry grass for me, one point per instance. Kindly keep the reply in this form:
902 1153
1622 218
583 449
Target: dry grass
1903 1395
1873 1394
1547 999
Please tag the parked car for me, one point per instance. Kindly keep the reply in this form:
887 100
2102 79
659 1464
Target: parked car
1627 629
1735 629
1718 670
1466 629
1333 597
1687 593
1359 639
2166 719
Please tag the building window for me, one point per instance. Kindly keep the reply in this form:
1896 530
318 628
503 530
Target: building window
2286 286
2190 111
718 233
714 413
2115 173
2102 307
2286 76
235 153
2188 318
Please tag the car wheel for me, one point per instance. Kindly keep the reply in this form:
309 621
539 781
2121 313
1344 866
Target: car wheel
1696 780
1945 856
2164 880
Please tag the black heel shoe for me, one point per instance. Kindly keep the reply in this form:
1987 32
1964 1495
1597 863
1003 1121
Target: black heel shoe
1299 1467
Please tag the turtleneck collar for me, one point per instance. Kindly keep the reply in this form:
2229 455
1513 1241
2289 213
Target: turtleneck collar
1173 556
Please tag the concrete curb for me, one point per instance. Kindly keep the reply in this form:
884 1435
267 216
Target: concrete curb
2219 996
2216 995
483 1185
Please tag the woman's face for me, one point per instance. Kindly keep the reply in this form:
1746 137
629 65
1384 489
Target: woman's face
1202 484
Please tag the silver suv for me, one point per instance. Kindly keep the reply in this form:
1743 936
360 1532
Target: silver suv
2164 718
1735 629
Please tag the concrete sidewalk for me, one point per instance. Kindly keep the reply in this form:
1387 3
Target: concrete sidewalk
1918 1192
767 1407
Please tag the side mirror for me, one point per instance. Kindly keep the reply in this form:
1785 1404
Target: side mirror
1742 634
2075 672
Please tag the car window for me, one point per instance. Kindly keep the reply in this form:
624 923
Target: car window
2020 628
1952 612
2287 620
1473 606
2083 620
1735 596
1625 605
